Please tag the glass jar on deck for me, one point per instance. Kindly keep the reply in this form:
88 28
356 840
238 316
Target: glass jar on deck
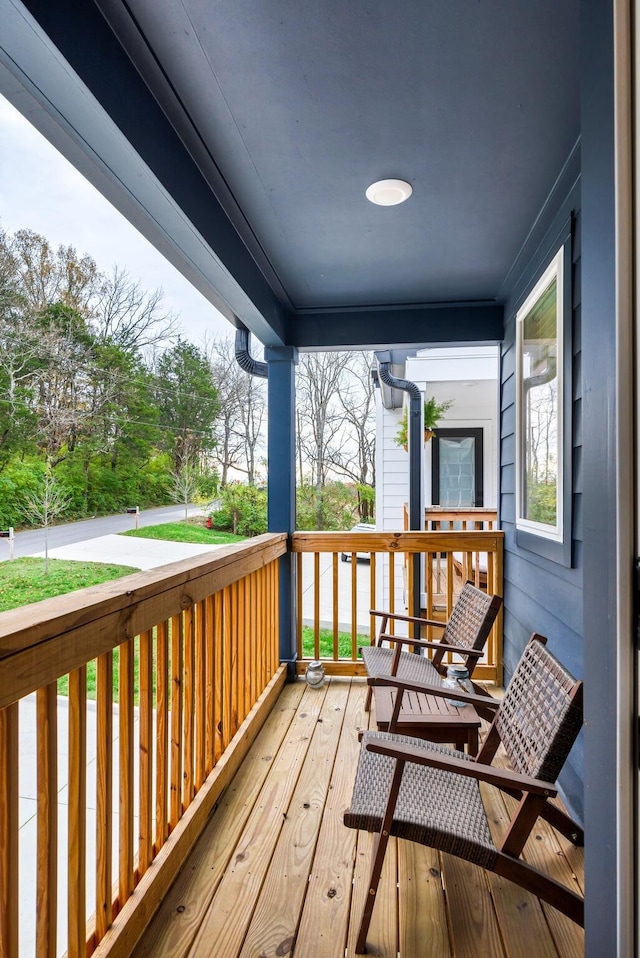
457 678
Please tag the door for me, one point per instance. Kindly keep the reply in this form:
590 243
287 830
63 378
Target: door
457 462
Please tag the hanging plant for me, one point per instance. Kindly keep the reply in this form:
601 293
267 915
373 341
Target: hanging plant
433 412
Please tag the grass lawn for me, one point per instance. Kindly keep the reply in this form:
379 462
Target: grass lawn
185 532
326 643
23 581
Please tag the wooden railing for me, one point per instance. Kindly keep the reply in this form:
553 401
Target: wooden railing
195 647
334 598
455 518
444 518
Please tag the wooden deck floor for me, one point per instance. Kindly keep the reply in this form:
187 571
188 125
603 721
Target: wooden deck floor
276 874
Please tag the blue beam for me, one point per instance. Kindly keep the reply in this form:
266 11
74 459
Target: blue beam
382 326
281 482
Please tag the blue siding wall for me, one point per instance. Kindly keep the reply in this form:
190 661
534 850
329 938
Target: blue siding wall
541 595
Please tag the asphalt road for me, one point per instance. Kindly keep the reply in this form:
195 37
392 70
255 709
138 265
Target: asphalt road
32 540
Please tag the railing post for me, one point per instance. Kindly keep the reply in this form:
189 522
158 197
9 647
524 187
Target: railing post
282 482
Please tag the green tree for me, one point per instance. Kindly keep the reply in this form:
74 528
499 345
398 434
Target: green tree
187 401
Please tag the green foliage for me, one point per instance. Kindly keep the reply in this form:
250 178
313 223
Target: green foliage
542 502
243 511
432 412
366 502
187 400
208 484
18 481
335 506
326 643
184 532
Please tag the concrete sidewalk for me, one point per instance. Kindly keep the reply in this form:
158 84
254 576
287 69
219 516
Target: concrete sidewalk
129 550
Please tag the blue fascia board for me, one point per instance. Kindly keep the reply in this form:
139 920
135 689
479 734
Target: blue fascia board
444 324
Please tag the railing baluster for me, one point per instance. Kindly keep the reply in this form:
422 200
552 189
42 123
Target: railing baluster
162 734
262 659
210 679
392 589
125 731
218 633
201 695
316 605
372 596
9 792
188 706
175 802
104 793
145 750
354 606
77 814
240 658
47 867
227 666
335 612
299 602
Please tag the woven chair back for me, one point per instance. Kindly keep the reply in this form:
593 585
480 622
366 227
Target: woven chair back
541 713
471 618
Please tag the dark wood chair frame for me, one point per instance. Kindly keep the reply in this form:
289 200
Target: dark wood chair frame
469 655
534 797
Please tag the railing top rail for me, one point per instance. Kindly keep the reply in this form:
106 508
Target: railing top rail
459 541
168 589
473 511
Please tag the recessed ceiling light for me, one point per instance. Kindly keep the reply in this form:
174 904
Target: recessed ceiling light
389 192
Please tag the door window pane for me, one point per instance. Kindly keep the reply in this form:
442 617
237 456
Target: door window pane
457 472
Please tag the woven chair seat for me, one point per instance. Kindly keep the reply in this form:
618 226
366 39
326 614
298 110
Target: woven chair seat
411 668
435 807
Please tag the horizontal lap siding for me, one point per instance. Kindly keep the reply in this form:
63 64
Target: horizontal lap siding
541 595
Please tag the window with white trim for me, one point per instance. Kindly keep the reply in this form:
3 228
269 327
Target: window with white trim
539 406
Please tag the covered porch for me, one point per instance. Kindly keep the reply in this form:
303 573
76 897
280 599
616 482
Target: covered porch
240 139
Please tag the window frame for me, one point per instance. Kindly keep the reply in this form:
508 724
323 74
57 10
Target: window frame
552 542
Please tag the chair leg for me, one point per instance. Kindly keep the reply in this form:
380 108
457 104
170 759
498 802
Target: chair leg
563 823
367 701
379 849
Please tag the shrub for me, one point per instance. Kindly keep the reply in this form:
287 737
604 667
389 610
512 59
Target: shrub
243 510
334 507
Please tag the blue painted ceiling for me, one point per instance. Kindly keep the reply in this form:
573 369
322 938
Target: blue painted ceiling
289 109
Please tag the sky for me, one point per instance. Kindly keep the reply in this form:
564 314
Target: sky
41 191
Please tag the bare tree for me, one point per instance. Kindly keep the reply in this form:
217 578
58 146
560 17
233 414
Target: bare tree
53 276
321 416
130 317
185 485
241 421
355 457
45 505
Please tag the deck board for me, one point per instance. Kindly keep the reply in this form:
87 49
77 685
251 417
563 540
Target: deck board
277 875
288 875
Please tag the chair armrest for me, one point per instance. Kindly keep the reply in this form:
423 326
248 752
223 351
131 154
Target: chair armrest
500 777
407 640
485 701
407 618
428 644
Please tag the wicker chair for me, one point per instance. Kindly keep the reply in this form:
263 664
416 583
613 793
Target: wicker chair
465 633
430 794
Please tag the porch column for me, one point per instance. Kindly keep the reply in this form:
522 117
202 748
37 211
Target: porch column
281 482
